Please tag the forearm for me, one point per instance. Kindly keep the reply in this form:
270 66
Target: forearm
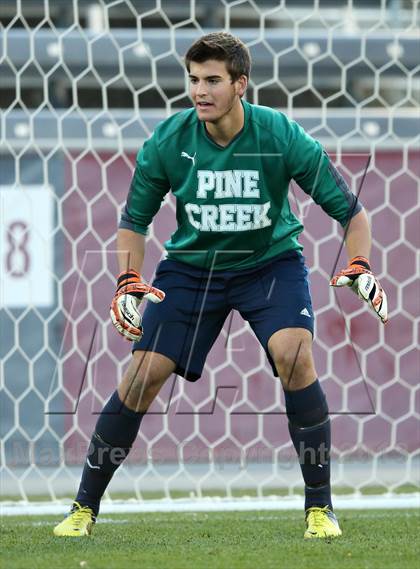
358 239
131 249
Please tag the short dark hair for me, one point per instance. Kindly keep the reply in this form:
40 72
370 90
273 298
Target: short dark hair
221 46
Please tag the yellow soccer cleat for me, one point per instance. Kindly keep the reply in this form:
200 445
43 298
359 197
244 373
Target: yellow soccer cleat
79 522
321 523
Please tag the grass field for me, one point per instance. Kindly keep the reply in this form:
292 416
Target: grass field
233 540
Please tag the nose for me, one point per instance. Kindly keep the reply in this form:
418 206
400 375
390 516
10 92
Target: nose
201 89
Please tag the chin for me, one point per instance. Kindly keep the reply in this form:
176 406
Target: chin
206 116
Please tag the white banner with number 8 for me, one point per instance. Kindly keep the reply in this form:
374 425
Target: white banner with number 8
26 246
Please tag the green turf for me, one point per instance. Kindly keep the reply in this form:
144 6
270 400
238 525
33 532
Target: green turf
233 540
368 490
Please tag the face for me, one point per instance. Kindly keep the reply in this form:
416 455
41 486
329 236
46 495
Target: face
212 90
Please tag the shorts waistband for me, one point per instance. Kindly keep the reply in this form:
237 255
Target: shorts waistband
198 271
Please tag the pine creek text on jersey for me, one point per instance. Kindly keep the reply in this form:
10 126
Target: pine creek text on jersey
228 184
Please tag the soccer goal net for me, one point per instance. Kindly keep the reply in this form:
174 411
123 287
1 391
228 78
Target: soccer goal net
83 85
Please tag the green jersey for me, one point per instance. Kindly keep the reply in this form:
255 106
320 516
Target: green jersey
232 205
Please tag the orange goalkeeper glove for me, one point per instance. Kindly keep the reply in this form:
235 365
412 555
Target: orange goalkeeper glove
361 280
125 305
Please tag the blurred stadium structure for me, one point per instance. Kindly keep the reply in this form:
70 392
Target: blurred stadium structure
83 83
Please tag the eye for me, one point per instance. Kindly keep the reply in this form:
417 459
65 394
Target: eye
213 81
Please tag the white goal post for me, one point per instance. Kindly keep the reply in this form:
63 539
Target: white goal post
82 88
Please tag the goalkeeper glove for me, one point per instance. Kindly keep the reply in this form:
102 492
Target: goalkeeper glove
126 302
361 280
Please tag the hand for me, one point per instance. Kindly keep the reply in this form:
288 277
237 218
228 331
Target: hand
125 305
360 278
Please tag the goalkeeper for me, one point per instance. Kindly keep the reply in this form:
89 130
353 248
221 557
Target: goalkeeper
229 164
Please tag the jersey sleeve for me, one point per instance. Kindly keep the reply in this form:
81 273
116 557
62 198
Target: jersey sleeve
148 188
311 167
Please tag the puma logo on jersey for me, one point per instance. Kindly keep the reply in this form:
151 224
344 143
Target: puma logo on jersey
305 312
186 155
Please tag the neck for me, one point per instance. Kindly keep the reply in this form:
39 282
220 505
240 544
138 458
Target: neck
227 127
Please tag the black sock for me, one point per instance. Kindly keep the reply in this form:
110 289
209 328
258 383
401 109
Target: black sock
310 430
115 432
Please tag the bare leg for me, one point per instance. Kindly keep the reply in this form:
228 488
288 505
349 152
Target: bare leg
143 379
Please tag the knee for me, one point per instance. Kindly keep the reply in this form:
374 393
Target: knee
141 382
288 365
295 367
148 373
291 352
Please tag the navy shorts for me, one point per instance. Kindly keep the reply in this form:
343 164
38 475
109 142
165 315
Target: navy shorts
184 327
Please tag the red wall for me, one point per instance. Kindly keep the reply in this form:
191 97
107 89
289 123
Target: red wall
369 380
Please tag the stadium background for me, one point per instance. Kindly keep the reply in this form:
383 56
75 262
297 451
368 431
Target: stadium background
82 85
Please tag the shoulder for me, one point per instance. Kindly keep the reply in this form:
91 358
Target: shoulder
175 125
287 132
275 122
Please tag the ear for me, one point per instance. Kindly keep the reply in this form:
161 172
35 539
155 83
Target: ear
241 85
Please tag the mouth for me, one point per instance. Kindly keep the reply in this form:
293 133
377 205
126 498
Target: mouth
203 105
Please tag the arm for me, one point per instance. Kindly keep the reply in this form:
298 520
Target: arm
358 238
311 167
131 250
148 188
